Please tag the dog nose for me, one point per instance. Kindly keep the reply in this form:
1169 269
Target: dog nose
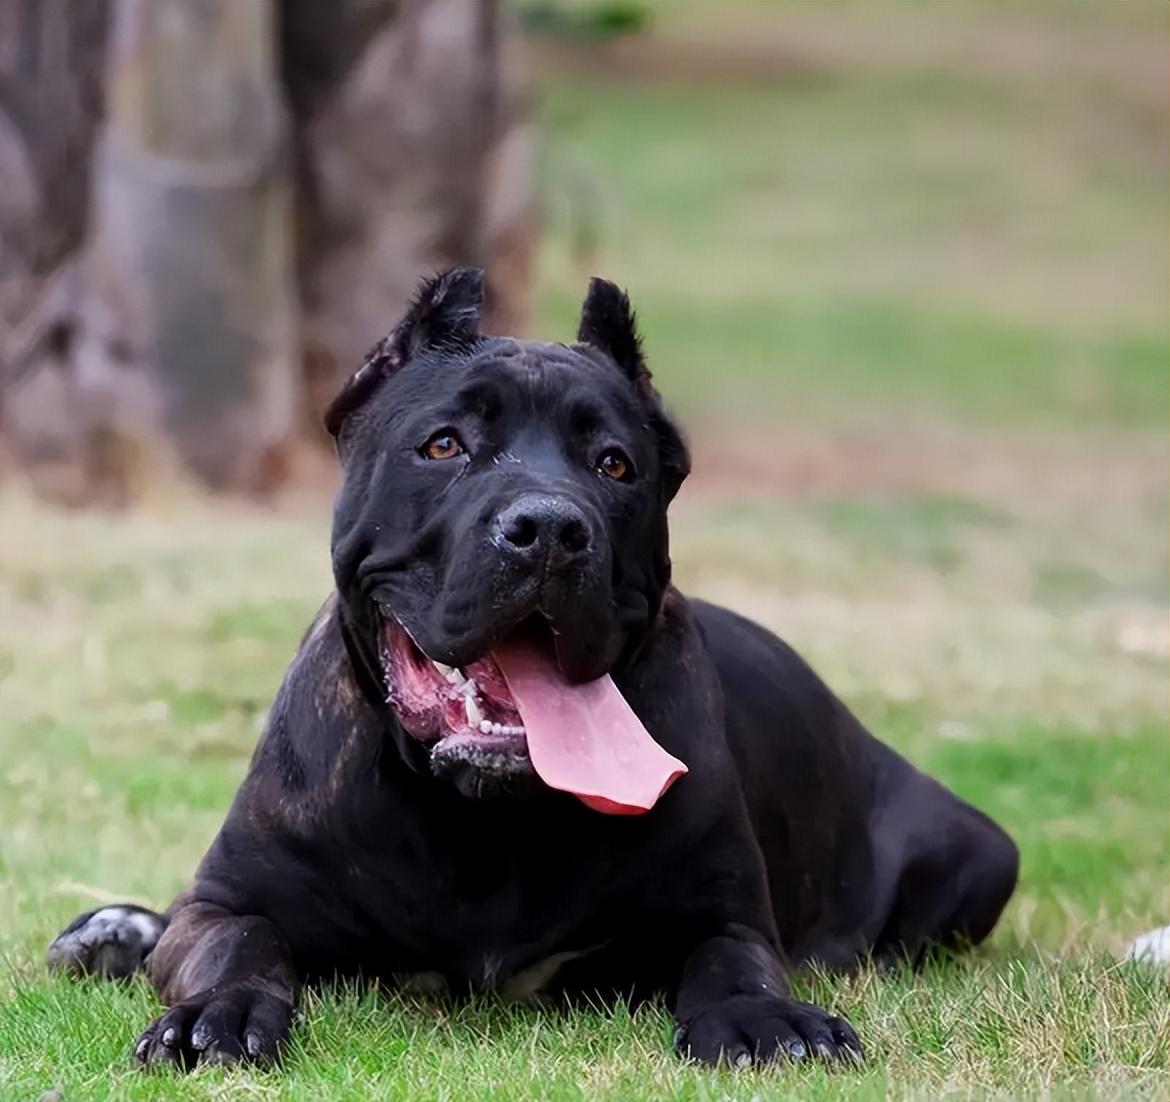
539 526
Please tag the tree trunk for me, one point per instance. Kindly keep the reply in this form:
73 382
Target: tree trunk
416 157
51 60
188 314
269 180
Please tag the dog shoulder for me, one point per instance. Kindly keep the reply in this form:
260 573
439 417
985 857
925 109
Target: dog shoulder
319 732
319 720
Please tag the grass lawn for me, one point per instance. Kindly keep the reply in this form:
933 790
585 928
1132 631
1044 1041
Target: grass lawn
914 306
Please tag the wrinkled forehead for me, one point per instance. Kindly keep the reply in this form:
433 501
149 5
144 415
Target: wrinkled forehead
534 363
546 375
525 381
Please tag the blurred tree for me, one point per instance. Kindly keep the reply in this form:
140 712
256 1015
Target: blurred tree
196 249
51 59
414 150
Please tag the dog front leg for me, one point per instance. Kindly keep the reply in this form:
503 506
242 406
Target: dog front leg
734 1006
230 986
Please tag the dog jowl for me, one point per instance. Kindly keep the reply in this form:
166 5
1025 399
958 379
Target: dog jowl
509 755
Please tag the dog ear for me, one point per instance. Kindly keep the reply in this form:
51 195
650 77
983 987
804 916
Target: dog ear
608 324
443 314
673 453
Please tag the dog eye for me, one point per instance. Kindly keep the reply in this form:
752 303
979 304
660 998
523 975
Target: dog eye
613 463
443 445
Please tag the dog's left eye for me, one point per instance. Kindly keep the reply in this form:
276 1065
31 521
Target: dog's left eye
613 463
443 445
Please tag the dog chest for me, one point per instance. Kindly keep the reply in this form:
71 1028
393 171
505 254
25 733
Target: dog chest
494 974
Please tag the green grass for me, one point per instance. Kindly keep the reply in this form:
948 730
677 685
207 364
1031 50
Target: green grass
869 359
888 223
911 299
129 710
1106 1027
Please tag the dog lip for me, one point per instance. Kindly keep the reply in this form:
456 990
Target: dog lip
538 620
461 709
386 613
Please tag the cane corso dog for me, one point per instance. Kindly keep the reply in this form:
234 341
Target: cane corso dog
510 756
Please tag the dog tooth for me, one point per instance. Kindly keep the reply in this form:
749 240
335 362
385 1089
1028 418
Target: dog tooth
471 706
485 726
449 673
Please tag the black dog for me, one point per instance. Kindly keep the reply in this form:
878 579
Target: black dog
448 784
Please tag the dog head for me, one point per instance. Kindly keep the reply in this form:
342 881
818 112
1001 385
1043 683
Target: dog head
495 491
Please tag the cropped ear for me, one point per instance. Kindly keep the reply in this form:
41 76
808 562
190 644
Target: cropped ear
673 453
608 324
443 314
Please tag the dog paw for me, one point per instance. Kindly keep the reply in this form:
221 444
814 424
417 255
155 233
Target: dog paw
219 1026
759 1029
111 941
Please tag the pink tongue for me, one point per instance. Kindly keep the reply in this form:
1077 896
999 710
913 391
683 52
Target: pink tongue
585 739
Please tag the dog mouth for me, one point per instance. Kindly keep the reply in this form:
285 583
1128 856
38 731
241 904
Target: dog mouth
449 706
511 716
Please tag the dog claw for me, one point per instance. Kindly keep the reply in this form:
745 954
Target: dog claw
767 1029
214 1029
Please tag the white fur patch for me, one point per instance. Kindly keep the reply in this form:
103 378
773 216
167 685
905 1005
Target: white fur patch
120 923
112 941
1152 948
149 929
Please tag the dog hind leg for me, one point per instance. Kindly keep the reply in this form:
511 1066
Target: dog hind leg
112 941
958 871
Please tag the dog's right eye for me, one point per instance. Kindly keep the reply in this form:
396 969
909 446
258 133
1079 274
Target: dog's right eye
443 445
